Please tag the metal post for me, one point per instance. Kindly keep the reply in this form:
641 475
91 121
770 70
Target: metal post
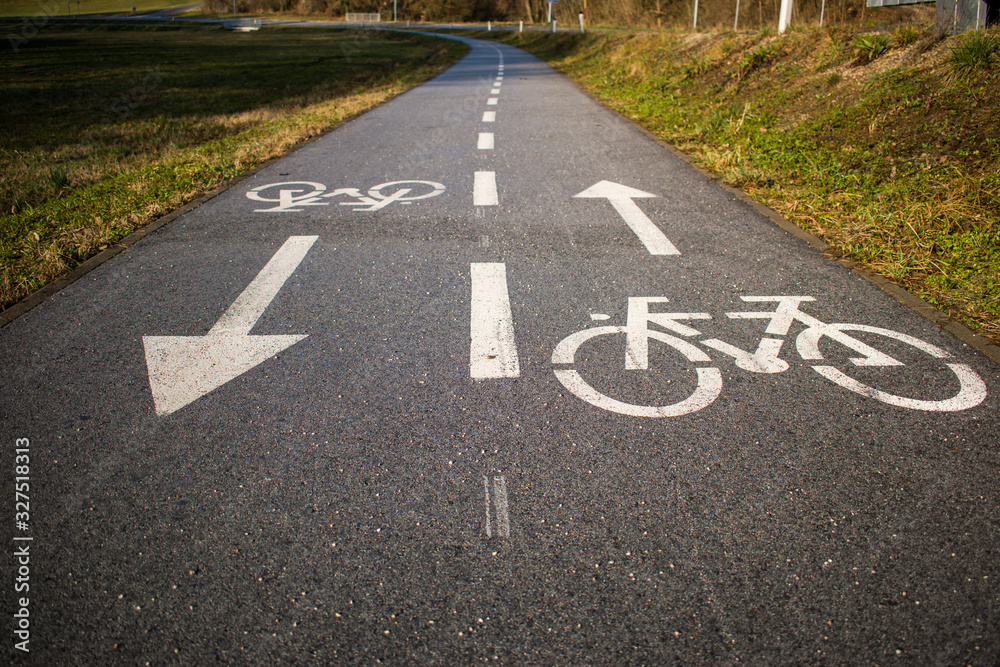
736 21
784 15
822 11
695 26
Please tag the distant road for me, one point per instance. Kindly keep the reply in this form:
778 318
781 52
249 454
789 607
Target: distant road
173 11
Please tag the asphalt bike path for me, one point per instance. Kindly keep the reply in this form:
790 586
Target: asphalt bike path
489 375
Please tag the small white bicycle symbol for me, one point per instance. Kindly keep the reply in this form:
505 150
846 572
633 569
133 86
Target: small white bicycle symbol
291 195
971 388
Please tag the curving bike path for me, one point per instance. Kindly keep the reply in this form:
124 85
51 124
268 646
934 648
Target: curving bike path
319 419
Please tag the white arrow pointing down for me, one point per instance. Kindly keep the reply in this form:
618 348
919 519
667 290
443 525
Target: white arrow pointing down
621 197
185 368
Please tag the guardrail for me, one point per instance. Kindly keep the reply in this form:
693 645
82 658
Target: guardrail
256 23
242 25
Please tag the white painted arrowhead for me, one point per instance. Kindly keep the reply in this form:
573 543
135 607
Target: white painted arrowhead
621 196
185 368
182 369
609 190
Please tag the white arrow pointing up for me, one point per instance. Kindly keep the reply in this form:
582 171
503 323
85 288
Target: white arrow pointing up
621 197
185 368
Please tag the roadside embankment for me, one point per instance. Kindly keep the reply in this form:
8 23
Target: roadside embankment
885 145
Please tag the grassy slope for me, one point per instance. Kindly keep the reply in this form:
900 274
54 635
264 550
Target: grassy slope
105 130
895 163
43 8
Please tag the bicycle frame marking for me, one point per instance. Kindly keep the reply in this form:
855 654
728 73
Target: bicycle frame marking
972 390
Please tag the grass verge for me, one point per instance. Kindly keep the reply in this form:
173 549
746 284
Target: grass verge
47 8
105 130
885 146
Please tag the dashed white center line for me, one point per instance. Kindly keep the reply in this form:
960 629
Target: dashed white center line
497 503
484 189
492 101
493 351
485 141
489 116
495 91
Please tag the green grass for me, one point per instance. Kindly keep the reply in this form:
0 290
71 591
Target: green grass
104 130
974 54
890 158
44 8
869 47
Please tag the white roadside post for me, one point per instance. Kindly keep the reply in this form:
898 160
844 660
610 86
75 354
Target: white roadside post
581 22
784 16
695 24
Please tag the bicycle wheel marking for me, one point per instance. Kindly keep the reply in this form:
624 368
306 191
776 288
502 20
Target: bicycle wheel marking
972 389
707 390
807 344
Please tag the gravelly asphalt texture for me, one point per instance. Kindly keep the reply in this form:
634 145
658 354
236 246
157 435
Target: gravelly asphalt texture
360 498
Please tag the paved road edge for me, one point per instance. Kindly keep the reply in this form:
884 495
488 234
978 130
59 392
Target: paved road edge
900 294
39 296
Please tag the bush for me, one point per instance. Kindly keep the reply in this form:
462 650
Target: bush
972 54
904 36
869 47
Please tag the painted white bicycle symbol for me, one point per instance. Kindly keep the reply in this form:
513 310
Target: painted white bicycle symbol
971 388
290 196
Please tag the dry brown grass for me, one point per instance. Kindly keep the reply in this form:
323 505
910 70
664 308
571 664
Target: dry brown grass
72 195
